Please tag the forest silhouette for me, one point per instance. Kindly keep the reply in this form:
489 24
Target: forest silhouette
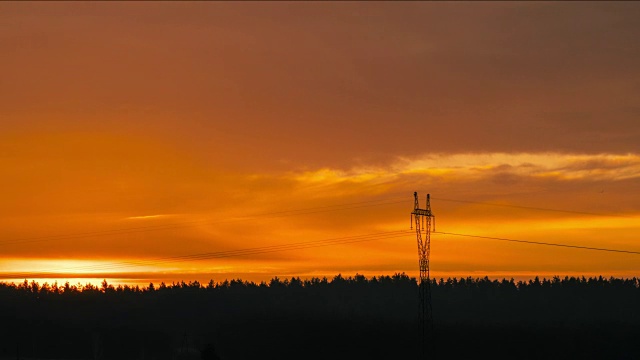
340 318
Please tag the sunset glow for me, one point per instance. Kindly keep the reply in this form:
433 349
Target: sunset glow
161 142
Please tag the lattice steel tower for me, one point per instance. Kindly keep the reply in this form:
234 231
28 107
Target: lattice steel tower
423 222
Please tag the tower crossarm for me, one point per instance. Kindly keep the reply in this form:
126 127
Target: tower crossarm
422 212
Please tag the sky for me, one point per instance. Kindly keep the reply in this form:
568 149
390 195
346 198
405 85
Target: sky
134 133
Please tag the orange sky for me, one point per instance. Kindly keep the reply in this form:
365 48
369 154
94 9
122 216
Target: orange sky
196 123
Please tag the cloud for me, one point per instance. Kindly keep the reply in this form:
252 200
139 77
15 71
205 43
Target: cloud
147 217
459 167
238 87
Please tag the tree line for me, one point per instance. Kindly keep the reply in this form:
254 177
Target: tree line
594 316
358 280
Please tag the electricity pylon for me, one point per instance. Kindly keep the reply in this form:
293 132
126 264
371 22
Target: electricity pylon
423 220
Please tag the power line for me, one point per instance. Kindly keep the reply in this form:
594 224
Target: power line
269 215
238 252
276 214
530 208
221 254
540 243
285 247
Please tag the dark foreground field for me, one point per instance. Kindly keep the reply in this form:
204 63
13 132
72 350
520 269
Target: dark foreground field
343 318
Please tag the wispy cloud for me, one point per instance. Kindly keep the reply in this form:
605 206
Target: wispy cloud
146 217
479 165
